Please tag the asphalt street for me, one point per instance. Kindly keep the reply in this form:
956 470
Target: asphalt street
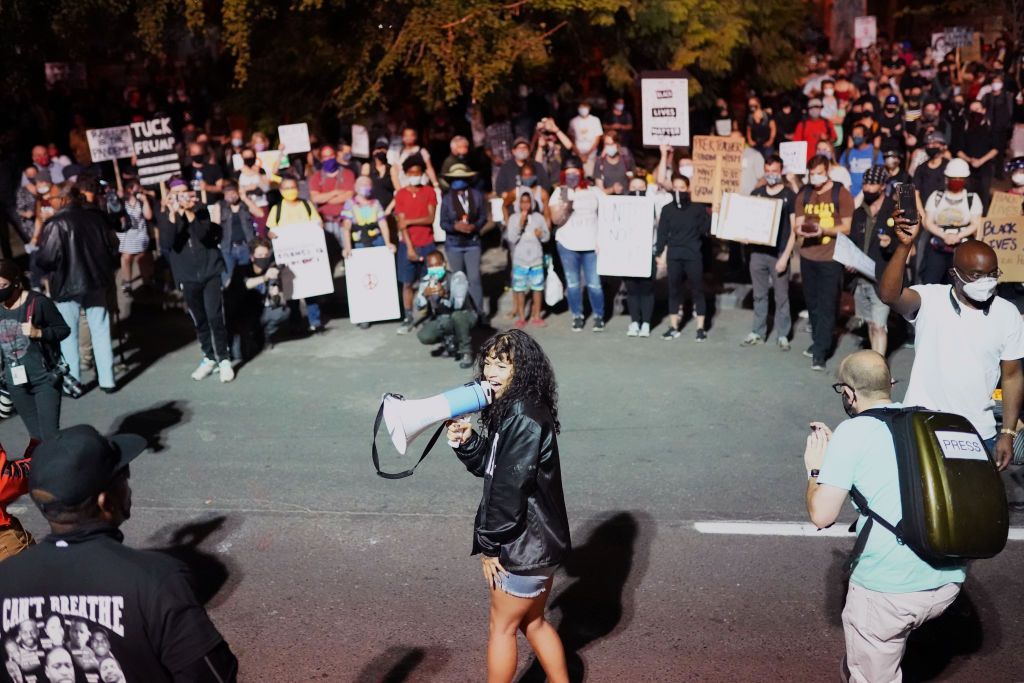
314 568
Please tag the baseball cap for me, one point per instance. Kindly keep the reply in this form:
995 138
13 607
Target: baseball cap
381 143
79 463
814 103
520 141
876 175
892 99
892 154
935 138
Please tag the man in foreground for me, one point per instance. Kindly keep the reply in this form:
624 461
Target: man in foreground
137 603
892 590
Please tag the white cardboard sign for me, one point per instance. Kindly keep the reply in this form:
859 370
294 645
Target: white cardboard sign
360 142
301 251
370 284
961 446
665 115
752 220
865 32
106 144
625 236
794 157
850 255
294 137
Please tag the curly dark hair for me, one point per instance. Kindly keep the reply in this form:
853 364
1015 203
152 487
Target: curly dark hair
533 379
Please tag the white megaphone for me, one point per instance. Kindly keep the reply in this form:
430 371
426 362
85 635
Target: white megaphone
406 419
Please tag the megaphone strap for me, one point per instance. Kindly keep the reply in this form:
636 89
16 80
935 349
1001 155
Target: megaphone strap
376 457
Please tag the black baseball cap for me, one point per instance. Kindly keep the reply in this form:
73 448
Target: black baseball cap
79 462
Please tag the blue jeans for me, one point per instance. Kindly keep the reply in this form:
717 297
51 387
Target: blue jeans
234 255
572 263
99 328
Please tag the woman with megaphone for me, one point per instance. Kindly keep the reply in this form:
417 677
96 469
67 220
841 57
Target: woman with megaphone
521 529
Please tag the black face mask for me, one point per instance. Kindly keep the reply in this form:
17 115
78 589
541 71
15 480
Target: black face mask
263 263
197 158
682 198
848 405
871 197
382 157
932 152
249 161
7 293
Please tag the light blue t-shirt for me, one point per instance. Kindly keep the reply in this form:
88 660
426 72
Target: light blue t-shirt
861 453
857 161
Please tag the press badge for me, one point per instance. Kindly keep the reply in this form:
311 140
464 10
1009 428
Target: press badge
18 375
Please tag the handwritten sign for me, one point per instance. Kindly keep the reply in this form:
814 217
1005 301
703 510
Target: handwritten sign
360 142
370 285
155 156
753 220
294 137
665 109
625 236
1002 230
865 32
717 166
301 250
958 36
794 157
106 144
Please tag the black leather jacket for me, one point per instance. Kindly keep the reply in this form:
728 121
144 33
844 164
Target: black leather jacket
78 251
521 518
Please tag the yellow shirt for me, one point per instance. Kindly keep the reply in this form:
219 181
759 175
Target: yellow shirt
292 212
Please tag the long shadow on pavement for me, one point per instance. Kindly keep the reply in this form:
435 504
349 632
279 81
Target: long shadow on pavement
396 664
151 423
607 569
208 574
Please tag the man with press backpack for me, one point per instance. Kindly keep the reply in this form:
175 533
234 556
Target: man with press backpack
929 498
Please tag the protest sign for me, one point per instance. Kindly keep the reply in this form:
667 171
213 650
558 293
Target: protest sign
270 160
665 109
294 137
940 48
106 144
237 162
753 220
301 250
155 155
972 51
717 165
958 36
850 255
865 32
497 215
794 157
360 142
1002 230
370 284
625 236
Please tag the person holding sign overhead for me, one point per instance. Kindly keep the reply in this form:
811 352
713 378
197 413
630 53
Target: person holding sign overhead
824 208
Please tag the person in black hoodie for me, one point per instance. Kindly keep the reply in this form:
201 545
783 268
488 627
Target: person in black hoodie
522 528
681 229
192 245
78 250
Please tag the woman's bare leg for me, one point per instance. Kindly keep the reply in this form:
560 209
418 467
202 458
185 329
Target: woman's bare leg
538 305
544 639
126 270
507 613
519 302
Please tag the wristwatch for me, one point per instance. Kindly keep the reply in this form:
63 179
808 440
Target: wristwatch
812 474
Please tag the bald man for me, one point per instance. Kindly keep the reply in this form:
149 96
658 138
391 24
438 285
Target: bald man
966 336
892 590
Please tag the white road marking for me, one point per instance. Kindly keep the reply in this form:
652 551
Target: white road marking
794 529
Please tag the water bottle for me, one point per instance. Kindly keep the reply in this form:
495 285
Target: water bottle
197 181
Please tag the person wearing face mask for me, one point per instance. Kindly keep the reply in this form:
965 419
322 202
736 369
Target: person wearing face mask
527 232
463 214
761 129
614 167
621 122
891 124
257 306
640 290
236 141
824 208
238 216
967 338
950 216
893 162
836 172
134 235
769 265
414 209
979 150
31 329
859 157
363 221
509 174
892 590
293 210
1015 169
786 119
682 227
586 131
204 178
871 234
48 170
574 208
814 129
330 188
379 172
830 103
444 295
459 147
999 104
410 147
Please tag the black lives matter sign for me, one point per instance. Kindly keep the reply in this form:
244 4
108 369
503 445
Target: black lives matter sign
665 109
155 153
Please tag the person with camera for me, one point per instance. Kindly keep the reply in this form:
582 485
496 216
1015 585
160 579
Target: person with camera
191 244
31 329
134 235
892 590
78 251
257 301
445 296
238 214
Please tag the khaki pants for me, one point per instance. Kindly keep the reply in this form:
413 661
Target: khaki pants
14 539
877 626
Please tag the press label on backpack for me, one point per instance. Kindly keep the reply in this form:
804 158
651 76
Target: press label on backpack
961 446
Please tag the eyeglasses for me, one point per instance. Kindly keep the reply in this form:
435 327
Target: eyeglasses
838 386
974 277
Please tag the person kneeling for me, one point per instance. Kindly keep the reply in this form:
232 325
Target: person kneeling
451 316
258 298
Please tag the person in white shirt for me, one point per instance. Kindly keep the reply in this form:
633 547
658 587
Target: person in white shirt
586 131
966 336
951 216
574 207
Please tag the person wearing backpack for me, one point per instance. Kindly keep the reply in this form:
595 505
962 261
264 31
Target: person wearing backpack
290 211
892 590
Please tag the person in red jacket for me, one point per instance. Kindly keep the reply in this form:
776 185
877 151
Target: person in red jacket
13 484
813 128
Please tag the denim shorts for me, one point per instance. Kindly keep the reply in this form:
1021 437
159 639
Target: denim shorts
529 584
528 278
411 272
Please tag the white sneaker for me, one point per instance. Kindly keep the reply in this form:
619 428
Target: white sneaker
645 330
227 373
204 370
633 331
